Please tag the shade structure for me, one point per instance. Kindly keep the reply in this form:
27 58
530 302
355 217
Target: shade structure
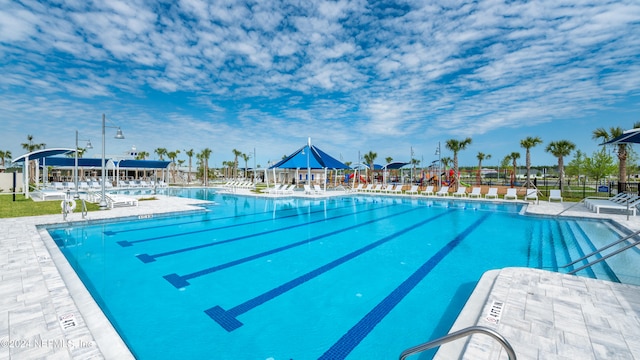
142 164
317 159
70 162
44 153
628 137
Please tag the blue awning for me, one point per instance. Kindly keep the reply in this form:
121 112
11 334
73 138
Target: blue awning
142 164
69 161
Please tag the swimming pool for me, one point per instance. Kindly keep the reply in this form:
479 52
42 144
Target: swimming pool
351 277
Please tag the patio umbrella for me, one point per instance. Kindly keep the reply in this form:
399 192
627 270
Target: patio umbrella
628 137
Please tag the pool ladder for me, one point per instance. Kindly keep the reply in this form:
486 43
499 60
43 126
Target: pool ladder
460 334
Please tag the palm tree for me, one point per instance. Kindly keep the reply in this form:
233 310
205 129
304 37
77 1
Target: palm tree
446 162
205 154
514 156
369 158
160 152
246 158
142 155
455 146
602 134
30 146
236 153
172 155
4 155
189 153
481 156
528 143
560 149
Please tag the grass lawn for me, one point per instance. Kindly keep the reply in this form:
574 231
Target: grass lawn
28 207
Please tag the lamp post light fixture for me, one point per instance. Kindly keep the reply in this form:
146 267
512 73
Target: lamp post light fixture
75 169
103 198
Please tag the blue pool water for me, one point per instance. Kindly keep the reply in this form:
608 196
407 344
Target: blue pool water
352 277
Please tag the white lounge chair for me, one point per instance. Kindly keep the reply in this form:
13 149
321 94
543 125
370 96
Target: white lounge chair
317 189
444 191
307 189
412 190
395 190
461 192
492 193
428 190
610 205
358 188
555 195
274 189
532 194
512 194
475 193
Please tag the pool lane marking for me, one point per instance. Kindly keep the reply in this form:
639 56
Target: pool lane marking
228 318
181 281
361 330
146 258
126 243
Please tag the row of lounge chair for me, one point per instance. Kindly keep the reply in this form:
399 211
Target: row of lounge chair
476 192
620 202
239 185
280 189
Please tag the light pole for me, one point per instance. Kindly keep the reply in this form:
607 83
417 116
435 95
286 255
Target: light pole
103 198
75 169
308 166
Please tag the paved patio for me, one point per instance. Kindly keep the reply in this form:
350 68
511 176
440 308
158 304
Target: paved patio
45 311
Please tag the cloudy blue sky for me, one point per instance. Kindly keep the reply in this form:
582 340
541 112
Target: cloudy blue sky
355 76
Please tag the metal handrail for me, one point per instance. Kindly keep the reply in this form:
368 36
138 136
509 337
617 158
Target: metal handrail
605 257
570 207
459 334
603 248
84 209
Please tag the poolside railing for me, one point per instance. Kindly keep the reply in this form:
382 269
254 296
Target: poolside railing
460 334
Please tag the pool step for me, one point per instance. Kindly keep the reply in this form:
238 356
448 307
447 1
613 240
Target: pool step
562 244
580 246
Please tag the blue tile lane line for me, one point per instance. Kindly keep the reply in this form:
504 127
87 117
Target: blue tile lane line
361 330
181 281
228 318
146 258
126 243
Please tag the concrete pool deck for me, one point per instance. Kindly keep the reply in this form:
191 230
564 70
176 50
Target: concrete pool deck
45 311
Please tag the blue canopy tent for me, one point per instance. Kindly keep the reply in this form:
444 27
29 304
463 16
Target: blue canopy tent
309 157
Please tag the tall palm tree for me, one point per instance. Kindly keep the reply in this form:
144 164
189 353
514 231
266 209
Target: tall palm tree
602 134
189 153
205 153
481 156
30 146
528 143
514 156
456 146
560 149
172 155
246 158
369 158
236 153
